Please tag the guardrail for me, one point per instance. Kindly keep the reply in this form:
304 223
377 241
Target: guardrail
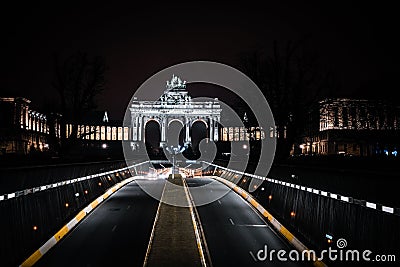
58 184
335 196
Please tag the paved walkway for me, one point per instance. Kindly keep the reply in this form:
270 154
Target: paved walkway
174 240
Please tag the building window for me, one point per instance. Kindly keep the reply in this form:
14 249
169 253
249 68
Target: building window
258 134
242 133
97 132
80 131
236 134
103 133
230 132
119 133
336 117
92 132
224 134
108 134
67 130
114 133
87 132
26 118
126 133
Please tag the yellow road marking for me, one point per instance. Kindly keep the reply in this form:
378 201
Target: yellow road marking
32 259
80 215
60 234
285 232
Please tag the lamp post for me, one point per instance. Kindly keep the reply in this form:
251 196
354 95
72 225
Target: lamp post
175 151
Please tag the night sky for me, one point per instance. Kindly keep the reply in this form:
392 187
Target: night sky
358 41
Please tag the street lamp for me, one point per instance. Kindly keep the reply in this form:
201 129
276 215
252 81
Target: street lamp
175 151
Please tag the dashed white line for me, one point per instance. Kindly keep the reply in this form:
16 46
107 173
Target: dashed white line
219 201
252 225
231 221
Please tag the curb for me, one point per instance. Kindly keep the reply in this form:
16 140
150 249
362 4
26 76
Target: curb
295 242
31 260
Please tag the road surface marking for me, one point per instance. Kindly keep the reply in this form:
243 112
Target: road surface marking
252 225
146 258
231 221
197 229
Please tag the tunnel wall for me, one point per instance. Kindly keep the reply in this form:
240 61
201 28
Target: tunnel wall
47 210
15 179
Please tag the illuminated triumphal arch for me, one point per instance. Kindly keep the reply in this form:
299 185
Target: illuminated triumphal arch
174 105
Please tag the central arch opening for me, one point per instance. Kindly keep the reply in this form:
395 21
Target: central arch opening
175 133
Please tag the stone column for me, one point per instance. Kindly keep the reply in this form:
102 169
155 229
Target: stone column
210 127
187 130
140 127
163 126
216 135
135 127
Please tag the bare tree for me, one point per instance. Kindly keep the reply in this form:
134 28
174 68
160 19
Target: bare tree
291 79
79 79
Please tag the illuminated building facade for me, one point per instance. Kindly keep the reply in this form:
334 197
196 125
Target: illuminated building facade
23 130
95 129
175 105
352 127
235 134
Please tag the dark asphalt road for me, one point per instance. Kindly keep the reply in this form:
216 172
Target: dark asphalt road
232 228
115 234
118 231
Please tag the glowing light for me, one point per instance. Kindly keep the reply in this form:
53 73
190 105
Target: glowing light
329 241
104 146
302 146
99 184
66 205
292 214
329 236
77 194
86 191
270 197
109 178
35 228
244 146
